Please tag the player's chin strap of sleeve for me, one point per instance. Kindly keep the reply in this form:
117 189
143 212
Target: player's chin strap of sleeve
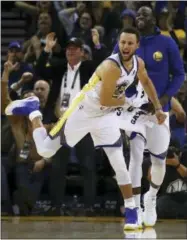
161 156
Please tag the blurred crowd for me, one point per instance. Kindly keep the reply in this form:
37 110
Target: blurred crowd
78 181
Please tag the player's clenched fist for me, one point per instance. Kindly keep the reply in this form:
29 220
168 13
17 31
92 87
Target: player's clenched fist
161 116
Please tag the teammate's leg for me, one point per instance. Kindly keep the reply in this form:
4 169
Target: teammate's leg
158 139
137 146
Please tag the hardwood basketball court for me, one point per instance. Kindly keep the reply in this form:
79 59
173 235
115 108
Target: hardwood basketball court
86 228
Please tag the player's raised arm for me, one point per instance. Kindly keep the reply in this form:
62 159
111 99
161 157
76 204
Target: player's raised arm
109 73
150 90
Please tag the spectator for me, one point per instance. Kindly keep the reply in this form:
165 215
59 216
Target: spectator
15 56
33 46
29 165
56 71
33 12
87 53
82 29
18 87
178 35
128 18
87 18
6 208
41 6
101 32
117 6
177 8
105 17
7 161
69 17
182 95
7 147
177 122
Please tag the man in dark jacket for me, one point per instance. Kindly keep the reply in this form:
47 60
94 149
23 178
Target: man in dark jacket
54 69
15 56
68 77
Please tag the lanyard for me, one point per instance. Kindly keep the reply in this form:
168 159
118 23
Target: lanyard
74 79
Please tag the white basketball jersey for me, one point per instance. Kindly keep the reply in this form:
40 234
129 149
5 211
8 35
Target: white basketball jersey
91 101
138 99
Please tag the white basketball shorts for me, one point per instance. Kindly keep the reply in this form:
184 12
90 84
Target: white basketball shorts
103 129
157 136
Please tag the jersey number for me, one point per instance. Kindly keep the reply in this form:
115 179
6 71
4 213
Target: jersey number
143 94
119 111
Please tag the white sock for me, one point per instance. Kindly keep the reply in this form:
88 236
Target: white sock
35 114
137 200
153 191
129 203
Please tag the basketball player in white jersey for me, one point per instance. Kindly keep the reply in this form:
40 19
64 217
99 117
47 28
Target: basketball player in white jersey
137 122
92 111
144 134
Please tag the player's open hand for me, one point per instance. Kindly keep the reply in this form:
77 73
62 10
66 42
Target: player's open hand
161 116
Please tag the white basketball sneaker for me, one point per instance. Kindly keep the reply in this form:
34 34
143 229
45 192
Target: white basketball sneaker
149 214
23 107
140 217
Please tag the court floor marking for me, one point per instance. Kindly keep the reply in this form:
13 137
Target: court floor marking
80 219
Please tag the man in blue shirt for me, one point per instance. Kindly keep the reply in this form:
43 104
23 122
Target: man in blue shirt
165 68
15 55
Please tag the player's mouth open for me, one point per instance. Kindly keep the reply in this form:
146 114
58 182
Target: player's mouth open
125 53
